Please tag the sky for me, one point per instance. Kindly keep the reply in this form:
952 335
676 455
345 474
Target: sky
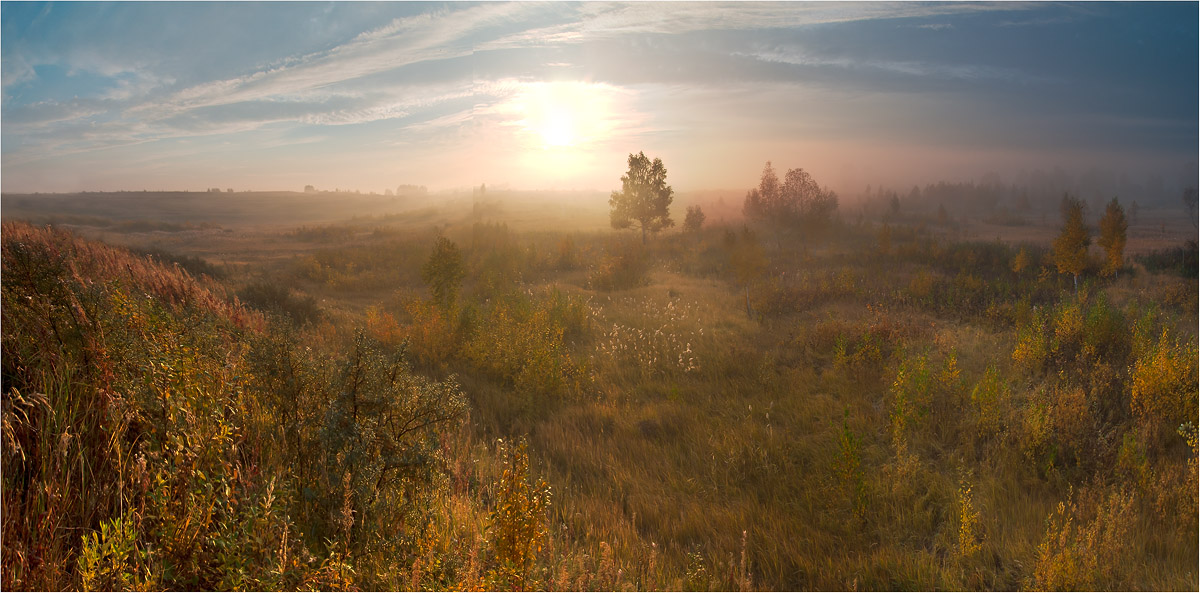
279 95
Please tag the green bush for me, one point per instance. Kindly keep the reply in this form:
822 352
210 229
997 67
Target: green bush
1183 260
623 267
272 297
990 397
522 342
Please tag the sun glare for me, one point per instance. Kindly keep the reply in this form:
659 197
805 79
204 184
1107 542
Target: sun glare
553 131
557 128
565 114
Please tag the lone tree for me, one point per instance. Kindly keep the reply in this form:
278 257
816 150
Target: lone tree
1112 237
443 272
644 199
1070 247
694 219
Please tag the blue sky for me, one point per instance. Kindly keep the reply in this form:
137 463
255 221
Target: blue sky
105 96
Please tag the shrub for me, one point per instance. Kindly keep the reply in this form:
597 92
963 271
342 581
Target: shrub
1181 296
1072 338
1187 486
357 267
1106 332
383 327
111 560
921 286
1037 430
443 272
569 312
568 255
910 399
1163 383
988 397
430 333
195 266
521 342
1075 426
524 349
621 268
1021 261
1068 326
495 259
376 445
803 290
271 297
1078 554
1183 260
969 539
518 522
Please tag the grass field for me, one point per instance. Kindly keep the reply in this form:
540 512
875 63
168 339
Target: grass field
915 412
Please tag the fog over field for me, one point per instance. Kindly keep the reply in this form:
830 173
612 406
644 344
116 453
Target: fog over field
599 296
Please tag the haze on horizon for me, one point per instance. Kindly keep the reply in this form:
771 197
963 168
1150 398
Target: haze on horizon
268 96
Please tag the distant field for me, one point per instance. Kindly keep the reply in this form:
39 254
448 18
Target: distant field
190 217
176 211
1156 228
237 209
243 227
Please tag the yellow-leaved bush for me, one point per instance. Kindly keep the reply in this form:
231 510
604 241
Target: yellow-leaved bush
518 523
1163 383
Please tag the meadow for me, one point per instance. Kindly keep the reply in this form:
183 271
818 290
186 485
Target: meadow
295 391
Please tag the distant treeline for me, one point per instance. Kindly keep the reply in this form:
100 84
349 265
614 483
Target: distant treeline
1182 260
1032 195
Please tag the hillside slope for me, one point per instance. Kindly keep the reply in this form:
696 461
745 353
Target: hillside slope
159 435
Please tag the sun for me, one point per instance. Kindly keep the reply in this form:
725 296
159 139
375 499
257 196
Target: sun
559 115
557 127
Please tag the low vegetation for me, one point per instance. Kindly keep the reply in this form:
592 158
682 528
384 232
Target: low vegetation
810 403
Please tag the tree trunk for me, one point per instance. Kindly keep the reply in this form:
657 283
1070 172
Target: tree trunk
643 234
749 311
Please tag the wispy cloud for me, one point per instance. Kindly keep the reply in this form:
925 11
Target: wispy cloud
309 89
397 77
56 129
599 20
15 70
402 42
1040 21
969 72
321 88
451 120
41 113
